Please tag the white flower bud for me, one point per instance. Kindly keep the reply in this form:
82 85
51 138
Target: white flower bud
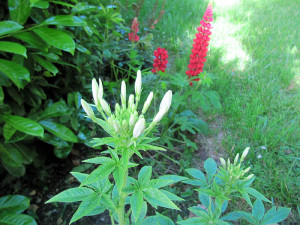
131 101
158 117
223 163
138 83
124 125
123 94
116 125
249 177
95 89
87 108
245 153
132 121
246 170
105 107
100 90
147 103
139 127
236 159
166 101
117 108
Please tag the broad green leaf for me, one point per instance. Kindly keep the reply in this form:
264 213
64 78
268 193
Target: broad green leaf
248 217
136 202
17 219
119 176
15 171
149 147
46 64
61 3
210 166
59 130
102 141
56 38
24 125
40 4
144 175
108 202
232 216
158 219
256 194
159 198
275 216
158 183
199 212
99 160
13 47
197 174
57 109
15 72
82 49
86 206
14 203
246 196
8 27
172 196
19 10
55 141
33 39
194 221
175 178
8 131
72 195
98 210
258 210
99 173
64 20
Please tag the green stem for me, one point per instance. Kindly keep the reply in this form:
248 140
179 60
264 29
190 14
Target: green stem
121 207
112 219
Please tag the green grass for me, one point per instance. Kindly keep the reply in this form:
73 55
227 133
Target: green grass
254 55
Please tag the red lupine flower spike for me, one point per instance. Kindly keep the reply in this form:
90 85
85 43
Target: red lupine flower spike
200 46
160 62
134 29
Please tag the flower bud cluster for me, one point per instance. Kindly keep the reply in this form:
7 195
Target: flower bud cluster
234 170
125 121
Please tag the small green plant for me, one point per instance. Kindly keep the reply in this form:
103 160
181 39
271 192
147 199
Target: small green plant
11 208
111 187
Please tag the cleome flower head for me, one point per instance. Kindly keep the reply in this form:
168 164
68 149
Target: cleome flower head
125 122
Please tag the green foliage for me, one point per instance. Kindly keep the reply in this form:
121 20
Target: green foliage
11 207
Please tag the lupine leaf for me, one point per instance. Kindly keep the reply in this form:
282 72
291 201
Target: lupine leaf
258 210
136 202
13 47
145 175
86 206
275 216
72 195
99 173
172 196
14 203
256 194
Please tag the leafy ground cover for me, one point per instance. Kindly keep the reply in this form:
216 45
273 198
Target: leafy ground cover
254 58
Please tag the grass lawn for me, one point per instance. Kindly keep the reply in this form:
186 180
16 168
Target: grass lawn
254 56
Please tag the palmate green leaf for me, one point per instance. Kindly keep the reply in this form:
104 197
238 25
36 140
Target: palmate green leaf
172 196
8 27
144 175
33 39
17 219
136 202
13 47
86 206
59 130
24 125
56 38
98 174
14 203
15 72
275 216
258 210
64 20
19 10
153 195
197 174
46 64
72 195
256 194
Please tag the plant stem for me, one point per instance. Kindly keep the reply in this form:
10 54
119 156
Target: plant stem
121 208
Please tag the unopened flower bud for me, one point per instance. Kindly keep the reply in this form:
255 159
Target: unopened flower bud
117 108
132 121
147 103
158 116
88 109
236 159
138 83
95 89
100 90
131 101
223 163
123 94
124 125
246 170
245 153
116 125
166 101
105 107
139 127
249 177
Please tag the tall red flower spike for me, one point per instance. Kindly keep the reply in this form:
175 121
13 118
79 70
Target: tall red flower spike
160 62
134 29
200 45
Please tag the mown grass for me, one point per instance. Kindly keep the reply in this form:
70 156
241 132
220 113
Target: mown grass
254 56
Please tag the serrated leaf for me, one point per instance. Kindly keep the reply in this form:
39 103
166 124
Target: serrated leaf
175 178
158 198
158 183
197 174
246 196
149 147
64 20
14 203
256 194
59 130
72 195
248 217
17 219
275 216
99 173
258 210
46 64
108 202
118 176
199 212
86 206
7 27
56 38
136 202
13 47
15 72
99 160
172 196
232 216
144 175
24 125
102 141
210 166
19 10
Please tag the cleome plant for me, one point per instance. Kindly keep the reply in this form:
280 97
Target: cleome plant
111 187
